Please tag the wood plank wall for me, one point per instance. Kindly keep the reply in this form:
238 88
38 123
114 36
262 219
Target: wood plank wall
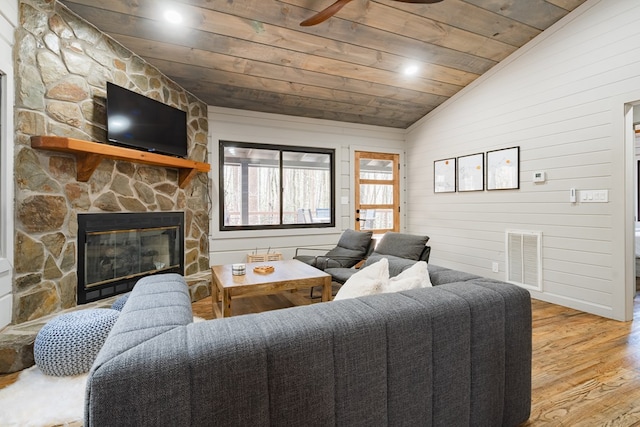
560 99
246 126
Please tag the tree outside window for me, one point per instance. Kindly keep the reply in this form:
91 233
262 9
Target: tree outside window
265 186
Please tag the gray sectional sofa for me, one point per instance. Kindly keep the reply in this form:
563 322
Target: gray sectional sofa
457 354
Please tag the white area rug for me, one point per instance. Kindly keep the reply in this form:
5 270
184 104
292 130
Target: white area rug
36 399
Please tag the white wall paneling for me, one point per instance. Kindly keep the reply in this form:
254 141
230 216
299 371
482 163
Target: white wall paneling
560 98
8 23
247 126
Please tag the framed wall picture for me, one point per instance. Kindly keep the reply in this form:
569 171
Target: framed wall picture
503 169
444 176
471 172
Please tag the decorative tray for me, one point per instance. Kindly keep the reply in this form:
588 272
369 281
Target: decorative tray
263 269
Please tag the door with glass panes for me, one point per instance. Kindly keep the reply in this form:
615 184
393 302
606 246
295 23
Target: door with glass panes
377 192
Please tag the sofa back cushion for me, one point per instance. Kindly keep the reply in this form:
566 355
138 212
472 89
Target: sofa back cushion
441 275
402 245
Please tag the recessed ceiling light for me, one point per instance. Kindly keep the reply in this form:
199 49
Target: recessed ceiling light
411 70
172 16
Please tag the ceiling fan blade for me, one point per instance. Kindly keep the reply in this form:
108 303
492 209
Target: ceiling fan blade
325 14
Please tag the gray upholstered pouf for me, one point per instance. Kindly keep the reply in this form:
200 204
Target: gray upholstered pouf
68 344
120 302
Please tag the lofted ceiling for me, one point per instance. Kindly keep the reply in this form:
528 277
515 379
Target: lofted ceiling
254 55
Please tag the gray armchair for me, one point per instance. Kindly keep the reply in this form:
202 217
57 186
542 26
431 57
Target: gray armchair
402 251
353 247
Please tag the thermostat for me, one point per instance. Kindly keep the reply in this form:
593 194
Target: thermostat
540 176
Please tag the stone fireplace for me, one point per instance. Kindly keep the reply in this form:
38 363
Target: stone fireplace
115 250
62 64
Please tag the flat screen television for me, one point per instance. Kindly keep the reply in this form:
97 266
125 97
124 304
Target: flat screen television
139 122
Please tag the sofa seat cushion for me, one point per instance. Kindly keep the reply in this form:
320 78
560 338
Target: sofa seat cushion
340 274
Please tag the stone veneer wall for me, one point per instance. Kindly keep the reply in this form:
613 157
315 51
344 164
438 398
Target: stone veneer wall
62 66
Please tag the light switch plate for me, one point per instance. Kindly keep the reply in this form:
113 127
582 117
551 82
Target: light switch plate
594 196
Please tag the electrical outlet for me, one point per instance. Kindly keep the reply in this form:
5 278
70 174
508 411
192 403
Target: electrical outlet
494 267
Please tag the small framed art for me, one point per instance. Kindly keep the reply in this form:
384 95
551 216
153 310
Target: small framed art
444 176
503 169
471 172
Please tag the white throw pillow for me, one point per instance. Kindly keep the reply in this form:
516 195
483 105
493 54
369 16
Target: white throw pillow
367 281
414 277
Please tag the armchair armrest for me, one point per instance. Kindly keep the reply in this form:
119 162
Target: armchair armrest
323 262
311 249
359 264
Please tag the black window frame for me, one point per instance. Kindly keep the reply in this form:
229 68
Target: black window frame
280 148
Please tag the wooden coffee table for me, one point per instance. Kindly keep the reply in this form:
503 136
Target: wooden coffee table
287 275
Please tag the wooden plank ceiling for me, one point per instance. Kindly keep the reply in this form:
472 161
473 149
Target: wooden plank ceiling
254 55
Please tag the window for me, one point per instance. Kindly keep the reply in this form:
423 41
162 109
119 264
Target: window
268 187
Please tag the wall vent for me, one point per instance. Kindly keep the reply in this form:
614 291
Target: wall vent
524 258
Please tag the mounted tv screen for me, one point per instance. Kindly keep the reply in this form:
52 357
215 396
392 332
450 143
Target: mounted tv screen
139 122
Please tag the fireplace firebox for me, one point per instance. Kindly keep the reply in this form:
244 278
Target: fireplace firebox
115 250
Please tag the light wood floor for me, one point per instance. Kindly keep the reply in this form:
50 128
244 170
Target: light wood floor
586 369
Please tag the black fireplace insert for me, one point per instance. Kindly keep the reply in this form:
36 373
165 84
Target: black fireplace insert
115 250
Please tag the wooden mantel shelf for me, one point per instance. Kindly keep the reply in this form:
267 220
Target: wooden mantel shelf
90 154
